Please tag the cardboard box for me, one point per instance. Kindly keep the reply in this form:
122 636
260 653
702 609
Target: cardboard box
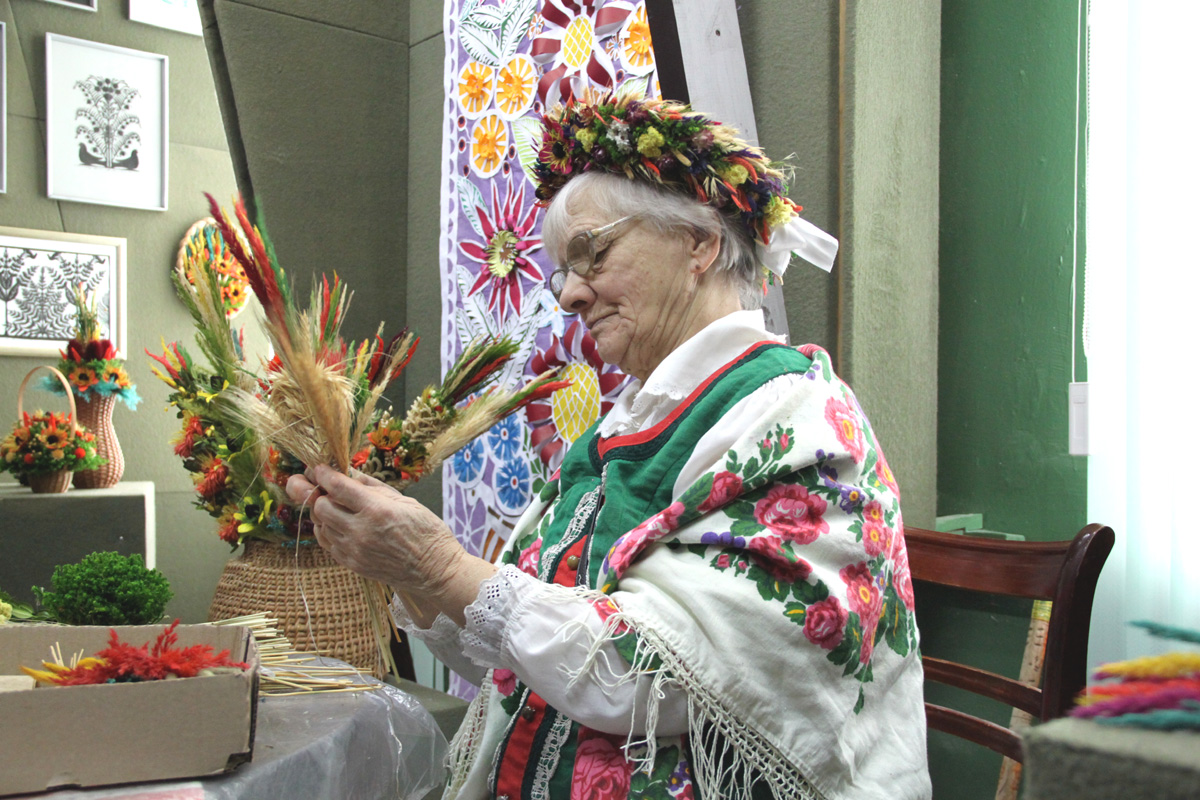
122 732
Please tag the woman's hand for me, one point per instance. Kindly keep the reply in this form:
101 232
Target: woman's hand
370 528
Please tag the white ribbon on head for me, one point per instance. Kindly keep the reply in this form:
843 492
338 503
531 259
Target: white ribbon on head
799 237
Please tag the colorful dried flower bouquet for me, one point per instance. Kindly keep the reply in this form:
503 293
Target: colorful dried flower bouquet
90 361
43 442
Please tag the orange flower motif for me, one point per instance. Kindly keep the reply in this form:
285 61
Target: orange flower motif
385 439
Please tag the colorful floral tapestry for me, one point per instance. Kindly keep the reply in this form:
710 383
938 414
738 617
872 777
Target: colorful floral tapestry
506 61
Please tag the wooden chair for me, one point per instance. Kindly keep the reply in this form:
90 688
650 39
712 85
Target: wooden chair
1062 572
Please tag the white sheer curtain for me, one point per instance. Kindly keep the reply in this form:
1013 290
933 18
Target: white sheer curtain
1143 315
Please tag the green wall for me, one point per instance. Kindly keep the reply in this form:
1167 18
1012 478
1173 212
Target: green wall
188 551
1005 338
1007 194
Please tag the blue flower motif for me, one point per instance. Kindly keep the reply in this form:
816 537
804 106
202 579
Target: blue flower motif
468 463
723 539
504 438
512 486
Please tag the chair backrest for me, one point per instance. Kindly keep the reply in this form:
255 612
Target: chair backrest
1062 572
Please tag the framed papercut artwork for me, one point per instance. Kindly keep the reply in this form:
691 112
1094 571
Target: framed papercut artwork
178 15
86 5
3 111
37 272
106 124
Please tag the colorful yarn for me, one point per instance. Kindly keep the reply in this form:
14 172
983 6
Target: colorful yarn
1168 631
1139 703
1169 720
1108 691
1167 665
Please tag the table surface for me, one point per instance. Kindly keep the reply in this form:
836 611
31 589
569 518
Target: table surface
377 744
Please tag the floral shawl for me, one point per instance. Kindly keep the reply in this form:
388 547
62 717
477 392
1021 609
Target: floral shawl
774 591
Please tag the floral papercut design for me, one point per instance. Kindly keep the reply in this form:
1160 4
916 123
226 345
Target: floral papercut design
513 481
504 439
110 128
504 255
467 463
516 86
489 145
475 84
634 43
570 47
594 386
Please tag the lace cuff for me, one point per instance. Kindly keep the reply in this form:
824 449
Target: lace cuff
442 633
499 597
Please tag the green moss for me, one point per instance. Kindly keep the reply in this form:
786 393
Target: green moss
106 589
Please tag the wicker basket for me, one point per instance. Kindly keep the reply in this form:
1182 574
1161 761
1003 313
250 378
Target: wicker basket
290 582
53 482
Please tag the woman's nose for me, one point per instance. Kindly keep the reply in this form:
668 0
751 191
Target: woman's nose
576 294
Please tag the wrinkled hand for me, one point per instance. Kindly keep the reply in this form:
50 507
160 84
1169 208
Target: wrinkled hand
370 528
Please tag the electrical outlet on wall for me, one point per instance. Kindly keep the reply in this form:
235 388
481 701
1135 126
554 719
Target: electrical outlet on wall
1077 419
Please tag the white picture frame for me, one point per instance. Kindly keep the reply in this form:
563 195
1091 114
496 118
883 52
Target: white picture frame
122 94
3 108
37 272
176 15
82 5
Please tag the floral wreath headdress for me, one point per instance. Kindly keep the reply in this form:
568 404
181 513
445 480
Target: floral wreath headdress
666 143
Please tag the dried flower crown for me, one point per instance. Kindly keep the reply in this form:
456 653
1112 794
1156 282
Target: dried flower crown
666 143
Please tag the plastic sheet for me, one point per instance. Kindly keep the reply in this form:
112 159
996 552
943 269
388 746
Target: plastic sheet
321 746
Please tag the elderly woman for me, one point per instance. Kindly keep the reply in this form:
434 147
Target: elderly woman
713 598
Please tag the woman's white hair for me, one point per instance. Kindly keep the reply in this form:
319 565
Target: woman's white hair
667 211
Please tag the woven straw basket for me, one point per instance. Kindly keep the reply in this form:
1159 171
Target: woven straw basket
321 606
54 482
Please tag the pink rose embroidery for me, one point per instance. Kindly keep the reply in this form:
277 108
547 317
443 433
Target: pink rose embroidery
790 511
505 681
873 512
770 556
845 425
528 561
601 771
825 623
861 592
627 548
726 486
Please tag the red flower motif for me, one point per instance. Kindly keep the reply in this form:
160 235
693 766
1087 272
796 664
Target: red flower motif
790 511
845 425
726 486
825 623
528 560
601 770
605 608
769 554
504 253
505 681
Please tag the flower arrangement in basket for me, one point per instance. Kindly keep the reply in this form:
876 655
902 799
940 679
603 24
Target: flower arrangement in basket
98 379
44 448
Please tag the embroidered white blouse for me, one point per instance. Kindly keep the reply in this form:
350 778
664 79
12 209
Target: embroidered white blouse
532 628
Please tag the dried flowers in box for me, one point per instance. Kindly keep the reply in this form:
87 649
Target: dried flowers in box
121 662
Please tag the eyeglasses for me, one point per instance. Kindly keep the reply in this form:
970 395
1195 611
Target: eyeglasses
581 254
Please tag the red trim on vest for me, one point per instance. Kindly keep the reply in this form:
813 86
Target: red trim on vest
511 775
604 445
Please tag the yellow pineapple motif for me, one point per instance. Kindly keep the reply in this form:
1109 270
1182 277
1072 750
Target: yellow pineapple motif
576 407
578 42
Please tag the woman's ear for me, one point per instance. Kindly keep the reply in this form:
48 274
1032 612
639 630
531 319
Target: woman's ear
704 251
